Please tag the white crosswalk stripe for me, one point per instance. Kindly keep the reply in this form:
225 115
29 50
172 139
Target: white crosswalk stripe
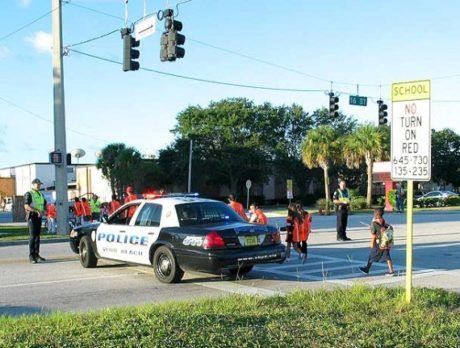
343 271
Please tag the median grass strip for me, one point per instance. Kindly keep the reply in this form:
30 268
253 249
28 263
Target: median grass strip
356 317
10 233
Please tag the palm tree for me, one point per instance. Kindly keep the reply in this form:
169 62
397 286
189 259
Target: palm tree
319 149
366 144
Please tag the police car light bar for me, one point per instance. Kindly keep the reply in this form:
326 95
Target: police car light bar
166 195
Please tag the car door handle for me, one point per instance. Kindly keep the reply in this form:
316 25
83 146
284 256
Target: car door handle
122 231
151 233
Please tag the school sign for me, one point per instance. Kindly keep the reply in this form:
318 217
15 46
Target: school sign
411 131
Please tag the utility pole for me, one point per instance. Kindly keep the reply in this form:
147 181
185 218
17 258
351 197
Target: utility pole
59 119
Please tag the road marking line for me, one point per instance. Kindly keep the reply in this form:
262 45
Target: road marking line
60 281
240 289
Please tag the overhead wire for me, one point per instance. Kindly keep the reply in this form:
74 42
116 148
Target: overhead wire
27 24
34 114
202 79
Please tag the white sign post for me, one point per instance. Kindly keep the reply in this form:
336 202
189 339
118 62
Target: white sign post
410 149
248 186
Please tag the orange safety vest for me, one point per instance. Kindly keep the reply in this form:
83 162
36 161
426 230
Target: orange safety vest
86 209
296 229
78 209
305 227
51 210
261 218
238 207
114 205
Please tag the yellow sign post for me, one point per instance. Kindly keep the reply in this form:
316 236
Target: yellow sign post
410 149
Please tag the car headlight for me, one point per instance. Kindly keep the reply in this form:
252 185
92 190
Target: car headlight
73 234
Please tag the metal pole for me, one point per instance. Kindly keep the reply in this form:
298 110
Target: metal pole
247 200
59 120
410 195
189 187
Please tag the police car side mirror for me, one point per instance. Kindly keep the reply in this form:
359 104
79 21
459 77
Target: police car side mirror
104 219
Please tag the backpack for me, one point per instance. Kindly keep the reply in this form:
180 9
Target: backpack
385 240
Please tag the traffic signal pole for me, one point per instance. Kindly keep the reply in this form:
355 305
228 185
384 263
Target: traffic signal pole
59 119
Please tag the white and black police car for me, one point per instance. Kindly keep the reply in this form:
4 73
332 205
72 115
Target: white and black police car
176 234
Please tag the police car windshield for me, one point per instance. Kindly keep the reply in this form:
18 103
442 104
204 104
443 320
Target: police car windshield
199 213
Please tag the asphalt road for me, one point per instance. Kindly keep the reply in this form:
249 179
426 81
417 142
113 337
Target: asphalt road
61 284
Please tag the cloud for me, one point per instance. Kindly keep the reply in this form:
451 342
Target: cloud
41 41
24 3
4 52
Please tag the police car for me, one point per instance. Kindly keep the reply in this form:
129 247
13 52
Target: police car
177 234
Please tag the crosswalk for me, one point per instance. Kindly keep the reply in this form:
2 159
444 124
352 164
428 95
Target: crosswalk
339 270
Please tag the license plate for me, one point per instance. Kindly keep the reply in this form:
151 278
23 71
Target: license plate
251 240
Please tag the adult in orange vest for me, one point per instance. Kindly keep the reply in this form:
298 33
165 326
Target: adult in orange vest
130 196
257 215
114 204
237 206
86 212
78 211
51 217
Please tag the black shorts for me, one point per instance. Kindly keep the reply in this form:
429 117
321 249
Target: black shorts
289 237
379 255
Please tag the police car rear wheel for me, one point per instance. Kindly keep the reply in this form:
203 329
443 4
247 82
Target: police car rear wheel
165 266
87 257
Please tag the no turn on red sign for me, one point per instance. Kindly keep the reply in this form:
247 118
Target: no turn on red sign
411 131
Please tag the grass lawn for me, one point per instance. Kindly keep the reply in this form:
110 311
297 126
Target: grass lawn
9 233
355 317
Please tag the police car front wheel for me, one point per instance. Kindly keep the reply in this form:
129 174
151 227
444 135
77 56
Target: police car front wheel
165 266
87 257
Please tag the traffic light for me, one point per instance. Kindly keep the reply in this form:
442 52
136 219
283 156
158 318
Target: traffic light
130 54
333 105
69 159
171 39
382 113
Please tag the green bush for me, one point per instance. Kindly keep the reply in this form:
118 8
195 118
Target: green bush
430 202
453 201
321 204
358 202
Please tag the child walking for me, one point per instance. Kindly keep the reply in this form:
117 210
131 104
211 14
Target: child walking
294 224
381 243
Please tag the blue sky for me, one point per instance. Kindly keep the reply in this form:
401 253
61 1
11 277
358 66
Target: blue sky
369 43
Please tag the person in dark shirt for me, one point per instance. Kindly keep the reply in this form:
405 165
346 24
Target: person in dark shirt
35 206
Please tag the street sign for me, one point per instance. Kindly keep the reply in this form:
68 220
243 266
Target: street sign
290 194
357 100
411 131
248 184
145 27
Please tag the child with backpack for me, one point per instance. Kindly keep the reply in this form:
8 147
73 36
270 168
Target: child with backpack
381 243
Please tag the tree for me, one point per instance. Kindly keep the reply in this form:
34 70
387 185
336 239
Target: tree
366 144
229 136
120 165
445 155
319 149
